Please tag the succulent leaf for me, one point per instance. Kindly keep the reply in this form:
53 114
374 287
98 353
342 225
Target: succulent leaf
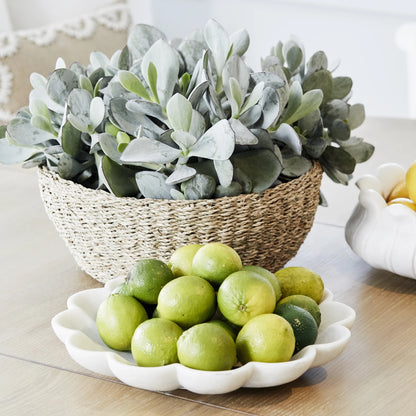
183 139
240 41
217 143
109 146
145 150
133 84
179 112
356 116
296 166
286 134
97 112
233 189
250 162
270 105
24 133
119 180
60 83
321 80
225 172
311 101
199 186
180 174
165 60
218 41
317 62
341 87
70 139
339 158
141 38
11 154
293 55
340 130
242 134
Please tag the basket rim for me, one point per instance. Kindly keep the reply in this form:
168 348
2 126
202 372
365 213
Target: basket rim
315 169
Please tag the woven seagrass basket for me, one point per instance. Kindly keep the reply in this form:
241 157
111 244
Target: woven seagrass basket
106 235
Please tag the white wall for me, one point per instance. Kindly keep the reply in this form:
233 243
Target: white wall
361 34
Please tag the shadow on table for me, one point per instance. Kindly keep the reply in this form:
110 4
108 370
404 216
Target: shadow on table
253 399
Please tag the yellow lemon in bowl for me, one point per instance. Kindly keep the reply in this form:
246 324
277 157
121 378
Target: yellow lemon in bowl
404 201
399 191
411 181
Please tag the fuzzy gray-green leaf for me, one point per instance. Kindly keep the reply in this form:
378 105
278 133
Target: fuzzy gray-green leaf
166 62
261 166
225 171
242 134
233 189
320 80
296 166
356 116
339 159
11 154
119 179
71 139
341 87
218 41
180 174
179 112
311 101
133 84
199 187
141 38
240 41
317 62
60 83
23 133
339 130
145 150
287 135
217 143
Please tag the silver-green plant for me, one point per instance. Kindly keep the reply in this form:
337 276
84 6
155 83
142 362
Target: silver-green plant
188 119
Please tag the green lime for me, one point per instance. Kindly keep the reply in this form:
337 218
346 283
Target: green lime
146 278
243 295
181 260
304 302
118 316
268 275
154 342
266 338
230 328
302 322
187 300
122 289
215 261
207 346
300 281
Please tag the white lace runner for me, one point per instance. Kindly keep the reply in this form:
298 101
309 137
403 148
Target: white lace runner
116 17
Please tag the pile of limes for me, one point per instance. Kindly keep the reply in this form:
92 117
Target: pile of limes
404 192
208 311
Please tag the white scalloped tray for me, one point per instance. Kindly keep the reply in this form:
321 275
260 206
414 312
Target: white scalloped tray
76 328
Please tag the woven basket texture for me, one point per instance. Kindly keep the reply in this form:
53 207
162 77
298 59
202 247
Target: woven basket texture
106 235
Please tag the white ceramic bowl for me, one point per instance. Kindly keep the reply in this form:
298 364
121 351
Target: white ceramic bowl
383 235
76 328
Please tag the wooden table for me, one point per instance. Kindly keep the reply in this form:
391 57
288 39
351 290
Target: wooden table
375 375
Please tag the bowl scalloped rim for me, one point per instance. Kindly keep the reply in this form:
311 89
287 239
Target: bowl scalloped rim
76 328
